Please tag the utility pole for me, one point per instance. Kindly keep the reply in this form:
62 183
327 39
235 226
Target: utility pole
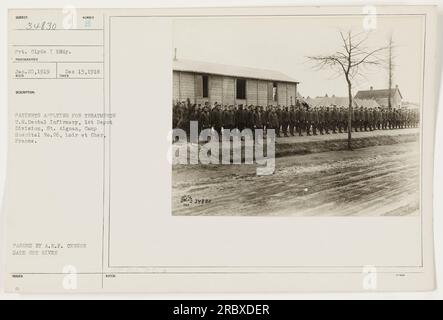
391 67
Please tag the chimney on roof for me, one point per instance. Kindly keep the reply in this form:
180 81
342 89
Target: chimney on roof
371 88
396 86
175 54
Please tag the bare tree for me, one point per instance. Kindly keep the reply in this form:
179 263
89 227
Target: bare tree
350 60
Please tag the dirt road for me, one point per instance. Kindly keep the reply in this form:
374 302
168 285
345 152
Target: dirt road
373 181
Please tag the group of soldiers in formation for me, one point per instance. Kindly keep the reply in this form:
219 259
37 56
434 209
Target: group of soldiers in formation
296 119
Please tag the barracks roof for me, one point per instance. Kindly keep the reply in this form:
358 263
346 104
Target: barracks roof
229 70
376 94
341 102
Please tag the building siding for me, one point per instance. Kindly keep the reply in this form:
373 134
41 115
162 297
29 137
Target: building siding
187 86
251 91
291 94
222 90
271 101
281 93
176 86
228 91
262 93
199 90
215 89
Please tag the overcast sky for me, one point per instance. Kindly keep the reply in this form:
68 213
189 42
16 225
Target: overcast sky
283 44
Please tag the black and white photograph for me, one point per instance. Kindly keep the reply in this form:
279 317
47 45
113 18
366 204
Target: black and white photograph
341 94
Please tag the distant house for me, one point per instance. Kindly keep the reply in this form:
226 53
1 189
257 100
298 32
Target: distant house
228 85
382 96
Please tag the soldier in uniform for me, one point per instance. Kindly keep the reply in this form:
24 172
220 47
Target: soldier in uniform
366 119
400 118
355 118
377 119
248 116
265 117
390 119
273 119
384 119
309 120
205 119
292 120
404 119
302 120
396 119
239 123
216 118
361 123
380 117
192 115
321 119
285 120
341 120
334 119
198 113
327 120
374 119
278 111
371 119
251 117
234 119
316 121
226 118
232 112
297 118
244 117
258 118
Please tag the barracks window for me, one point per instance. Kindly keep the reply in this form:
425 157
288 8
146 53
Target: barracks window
205 90
274 91
241 88
201 86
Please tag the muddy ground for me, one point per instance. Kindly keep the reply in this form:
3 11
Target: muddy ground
380 180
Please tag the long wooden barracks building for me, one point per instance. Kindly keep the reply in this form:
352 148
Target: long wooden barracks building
229 85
